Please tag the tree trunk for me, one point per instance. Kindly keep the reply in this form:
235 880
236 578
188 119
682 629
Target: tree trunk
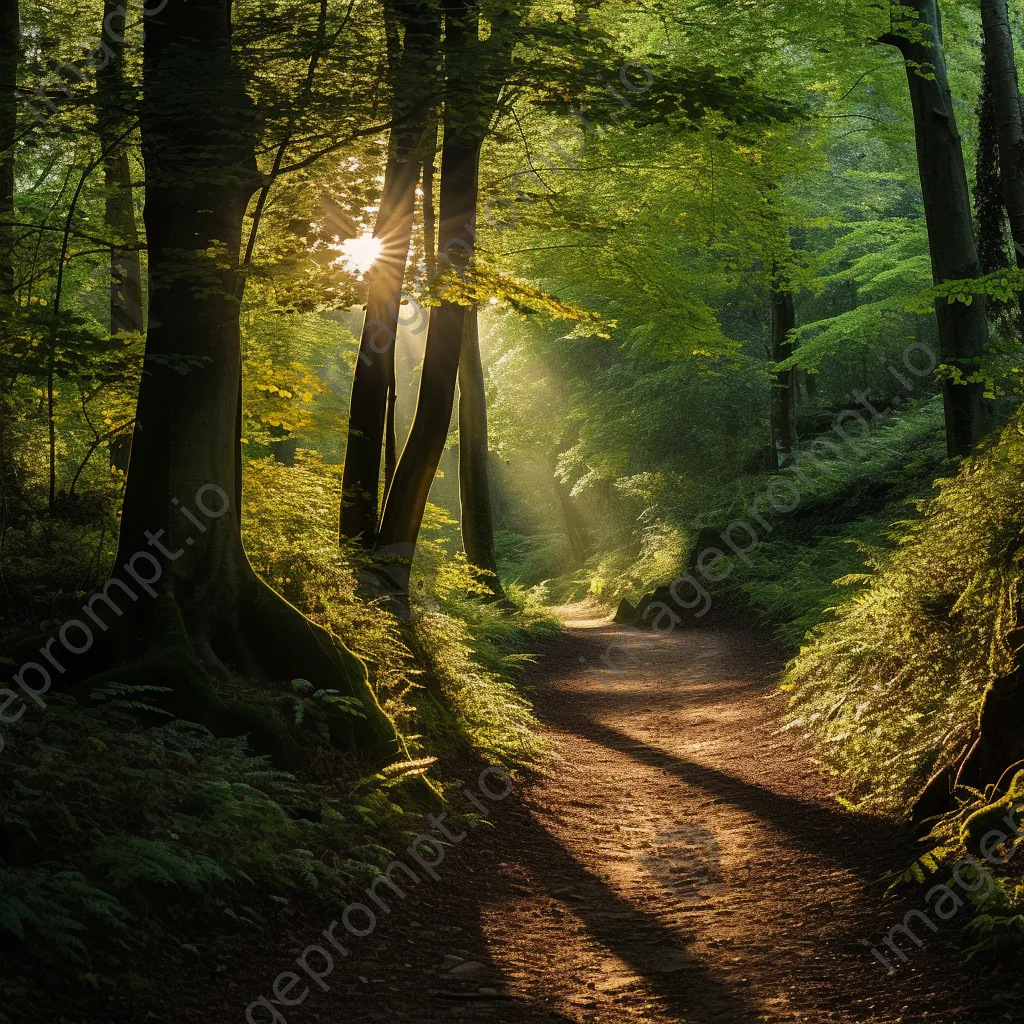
989 212
474 485
212 615
114 107
963 329
574 532
417 466
113 111
375 367
10 43
1001 72
783 322
475 71
371 412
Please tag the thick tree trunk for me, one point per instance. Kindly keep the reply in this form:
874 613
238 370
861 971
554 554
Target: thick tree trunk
212 614
1001 73
782 323
10 42
963 329
474 484
371 412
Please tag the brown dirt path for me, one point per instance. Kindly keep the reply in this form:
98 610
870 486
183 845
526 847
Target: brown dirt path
681 862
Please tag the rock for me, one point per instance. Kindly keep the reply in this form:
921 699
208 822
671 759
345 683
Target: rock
487 991
706 539
451 961
468 969
625 614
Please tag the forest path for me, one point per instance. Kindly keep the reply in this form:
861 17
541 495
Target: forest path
681 862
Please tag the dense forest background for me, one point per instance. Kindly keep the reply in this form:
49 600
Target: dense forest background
397 324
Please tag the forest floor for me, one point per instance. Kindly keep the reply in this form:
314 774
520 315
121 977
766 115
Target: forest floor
679 862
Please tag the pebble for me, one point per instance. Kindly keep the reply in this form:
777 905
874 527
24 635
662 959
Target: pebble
468 969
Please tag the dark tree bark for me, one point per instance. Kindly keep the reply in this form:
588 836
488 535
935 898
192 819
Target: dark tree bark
475 72
212 615
407 496
783 320
1001 75
963 329
474 483
114 109
989 213
371 412
10 44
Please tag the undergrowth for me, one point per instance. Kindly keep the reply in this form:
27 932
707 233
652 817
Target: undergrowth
892 685
120 829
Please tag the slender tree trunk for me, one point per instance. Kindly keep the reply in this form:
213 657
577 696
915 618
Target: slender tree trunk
371 412
211 613
574 531
782 324
372 386
1001 73
989 212
474 483
475 74
963 329
414 475
10 43
114 109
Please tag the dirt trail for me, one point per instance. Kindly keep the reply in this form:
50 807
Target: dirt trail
681 863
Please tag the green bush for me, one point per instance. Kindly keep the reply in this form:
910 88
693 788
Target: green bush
892 685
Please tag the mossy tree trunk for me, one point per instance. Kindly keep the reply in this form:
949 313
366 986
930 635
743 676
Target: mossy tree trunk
213 617
1000 72
963 329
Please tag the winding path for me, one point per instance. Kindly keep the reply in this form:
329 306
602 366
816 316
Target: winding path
680 862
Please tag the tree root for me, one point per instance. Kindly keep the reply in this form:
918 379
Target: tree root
997 743
198 655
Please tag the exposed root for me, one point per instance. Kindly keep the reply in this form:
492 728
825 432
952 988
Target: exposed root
998 743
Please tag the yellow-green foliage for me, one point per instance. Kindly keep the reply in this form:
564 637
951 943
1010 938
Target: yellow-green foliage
893 684
290 522
468 651
487 709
